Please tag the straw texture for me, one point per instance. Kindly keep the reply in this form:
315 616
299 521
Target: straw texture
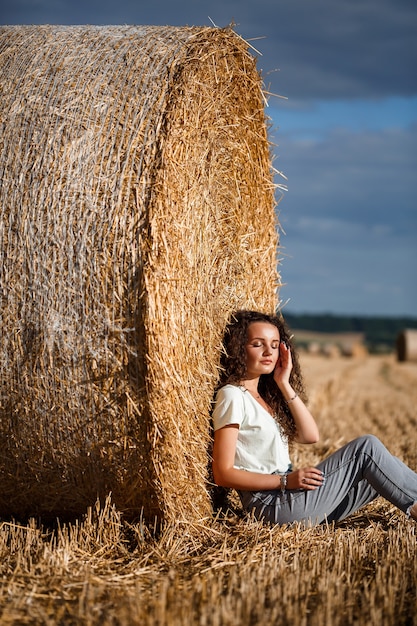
137 211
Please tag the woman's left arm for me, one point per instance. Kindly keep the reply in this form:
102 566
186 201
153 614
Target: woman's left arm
307 429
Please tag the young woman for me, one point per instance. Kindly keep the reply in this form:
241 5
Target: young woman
259 409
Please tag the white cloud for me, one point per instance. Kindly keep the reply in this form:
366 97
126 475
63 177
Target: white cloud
358 279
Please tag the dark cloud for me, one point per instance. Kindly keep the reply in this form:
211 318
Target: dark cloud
367 177
322 49
344 49
350 222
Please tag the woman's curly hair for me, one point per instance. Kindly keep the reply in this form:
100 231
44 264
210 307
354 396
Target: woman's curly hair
233 364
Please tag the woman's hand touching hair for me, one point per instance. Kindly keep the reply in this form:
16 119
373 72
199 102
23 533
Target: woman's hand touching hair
283 367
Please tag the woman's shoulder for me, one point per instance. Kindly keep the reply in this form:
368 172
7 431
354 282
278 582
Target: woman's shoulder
230 391
229 407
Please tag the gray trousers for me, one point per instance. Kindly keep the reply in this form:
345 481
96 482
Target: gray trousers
354 476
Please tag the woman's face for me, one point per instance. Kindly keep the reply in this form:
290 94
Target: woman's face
262 349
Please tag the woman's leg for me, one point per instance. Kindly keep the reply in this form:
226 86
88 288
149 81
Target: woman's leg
379 473
354 475
357 497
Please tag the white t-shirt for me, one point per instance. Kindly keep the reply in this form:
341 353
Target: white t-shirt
260 445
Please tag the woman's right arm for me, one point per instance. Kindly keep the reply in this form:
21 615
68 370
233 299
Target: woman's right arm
225 475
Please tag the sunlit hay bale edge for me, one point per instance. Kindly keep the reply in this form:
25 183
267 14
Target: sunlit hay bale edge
137 211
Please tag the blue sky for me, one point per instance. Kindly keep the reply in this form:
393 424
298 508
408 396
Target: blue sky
345 135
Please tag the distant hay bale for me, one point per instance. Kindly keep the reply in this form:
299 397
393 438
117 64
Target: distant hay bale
407 345
137 211
331 350
332 344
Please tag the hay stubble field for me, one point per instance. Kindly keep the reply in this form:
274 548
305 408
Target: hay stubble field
233 570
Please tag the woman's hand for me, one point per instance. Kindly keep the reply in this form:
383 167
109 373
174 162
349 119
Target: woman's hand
309 478
307 431
283 367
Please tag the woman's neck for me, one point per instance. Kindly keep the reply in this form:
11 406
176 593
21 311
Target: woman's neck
251 385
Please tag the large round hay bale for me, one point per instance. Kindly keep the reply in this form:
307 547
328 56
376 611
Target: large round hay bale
407 345
137 211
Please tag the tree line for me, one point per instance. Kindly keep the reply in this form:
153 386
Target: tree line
380 333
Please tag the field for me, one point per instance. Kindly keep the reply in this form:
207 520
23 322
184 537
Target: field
233 570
